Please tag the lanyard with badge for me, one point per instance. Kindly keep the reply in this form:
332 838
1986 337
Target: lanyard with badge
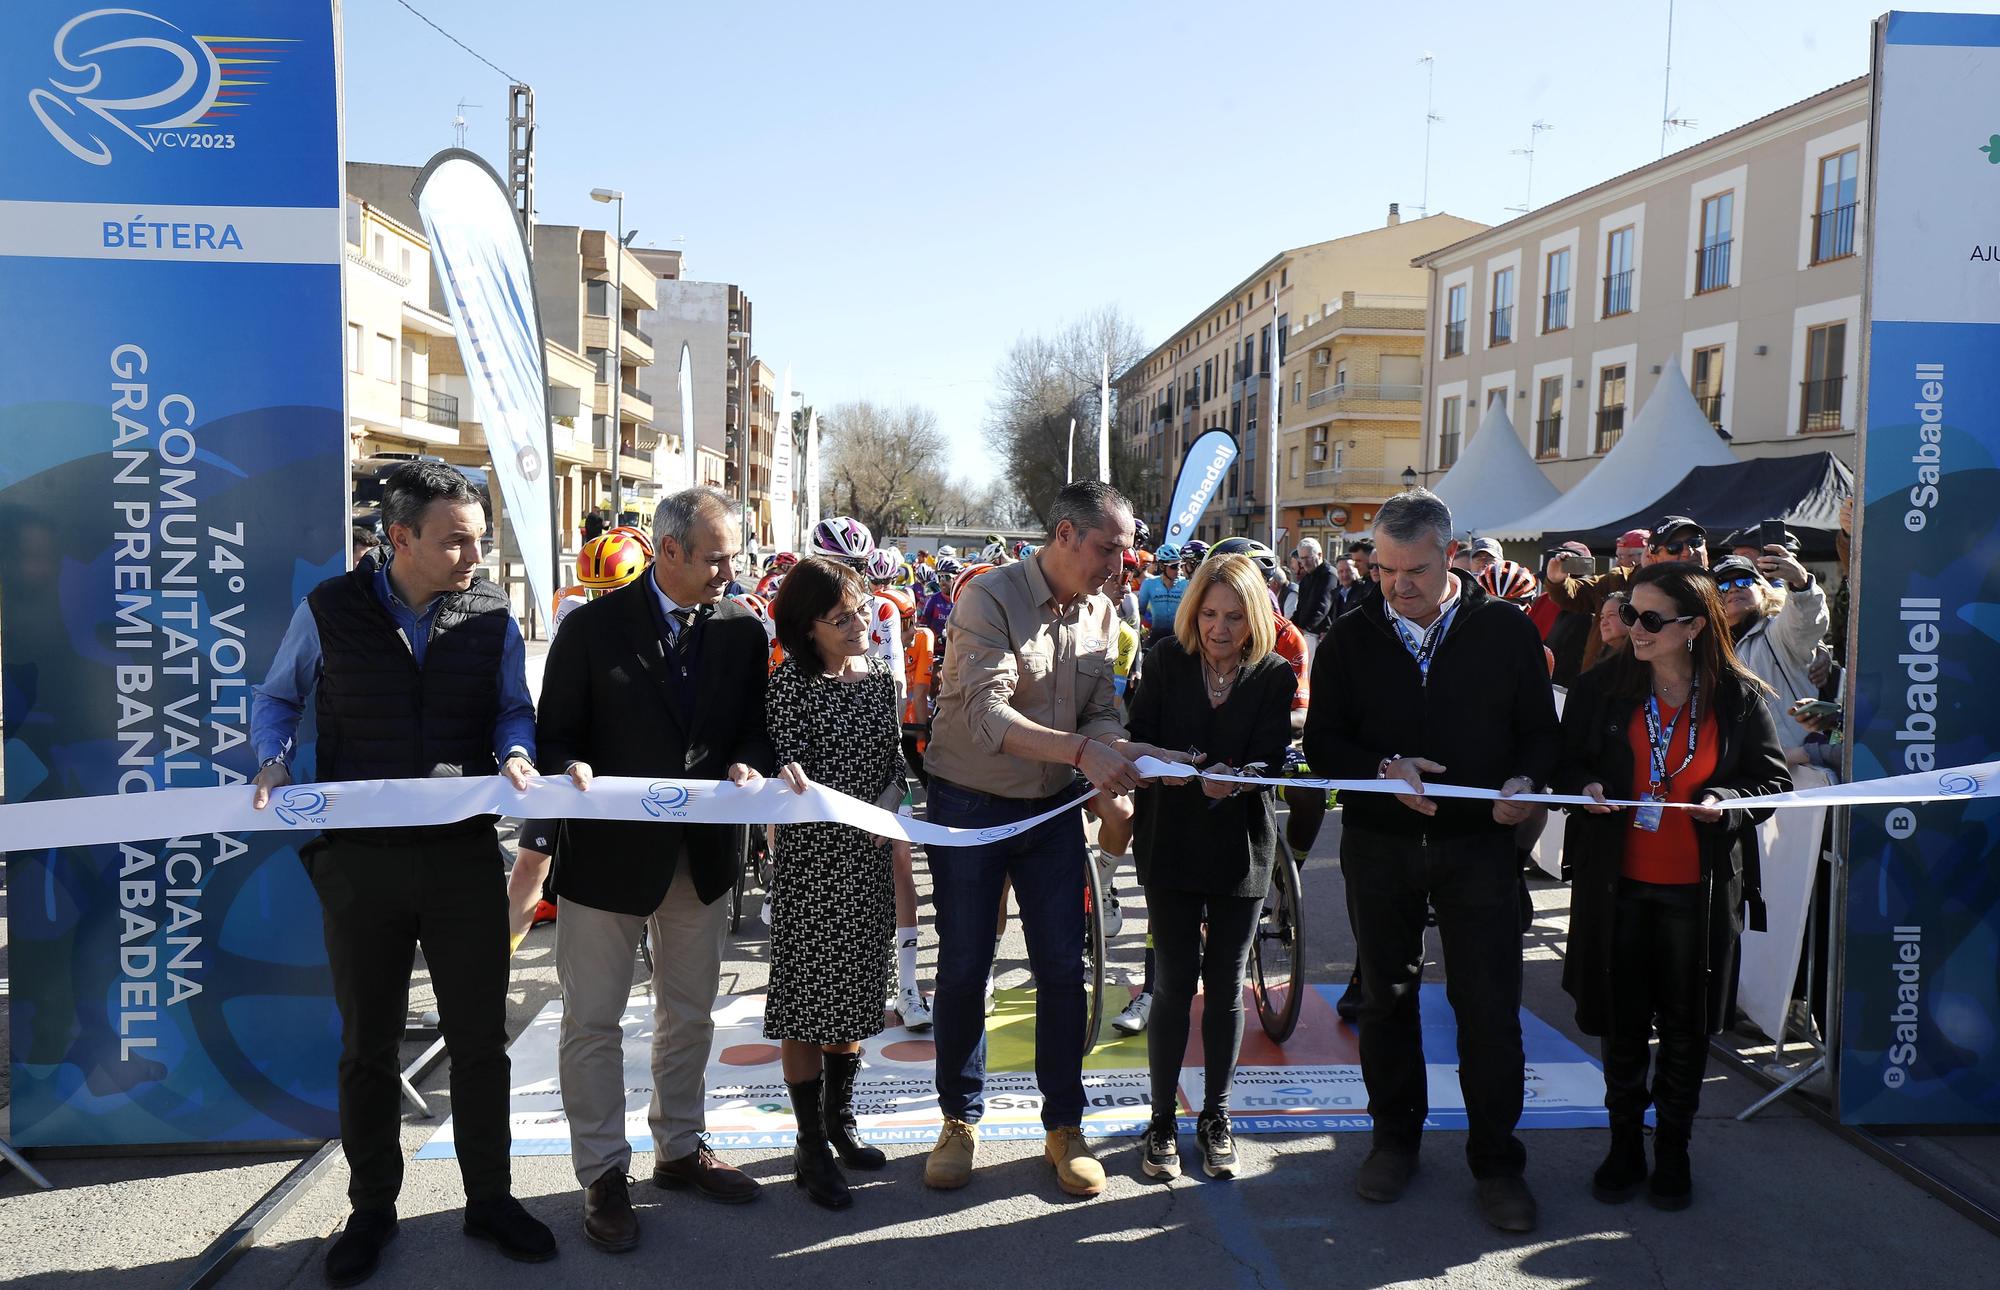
1649 816
1423 650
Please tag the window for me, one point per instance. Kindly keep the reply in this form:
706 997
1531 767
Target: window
354 347
1711 265
1284 278
1454 321
1833 217
1555 302
1250 423
1820 393
1549 419
385 356
1292 466
1236 417
405 261
1451 416
1502 330
1610 406
1618 271
1264 366
1496 398
1206 390
1340 456
1707 383
1340 374
1298 389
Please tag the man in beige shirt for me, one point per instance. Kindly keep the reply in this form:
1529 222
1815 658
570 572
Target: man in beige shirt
1024 706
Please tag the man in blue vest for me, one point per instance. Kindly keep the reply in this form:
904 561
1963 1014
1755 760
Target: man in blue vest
416 669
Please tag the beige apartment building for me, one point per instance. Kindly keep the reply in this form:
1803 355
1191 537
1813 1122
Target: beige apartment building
1741 257
1215 371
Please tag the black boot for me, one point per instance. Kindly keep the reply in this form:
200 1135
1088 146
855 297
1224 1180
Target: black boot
1623 1172
838 1111
812 1160
1673 1180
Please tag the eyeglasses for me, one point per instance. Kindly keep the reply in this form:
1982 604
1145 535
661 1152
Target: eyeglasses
1678 546
847 620
1649 619
1735 583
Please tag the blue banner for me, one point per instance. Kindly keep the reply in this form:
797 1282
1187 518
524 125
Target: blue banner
172 480
1203 466
1921 989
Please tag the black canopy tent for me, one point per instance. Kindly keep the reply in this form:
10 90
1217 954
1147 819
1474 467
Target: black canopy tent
1805 492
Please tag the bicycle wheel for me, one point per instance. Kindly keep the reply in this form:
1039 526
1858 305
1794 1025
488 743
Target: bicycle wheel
1093 952
1277 954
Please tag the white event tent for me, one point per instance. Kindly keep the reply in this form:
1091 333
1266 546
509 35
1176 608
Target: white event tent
1494 479
1670 437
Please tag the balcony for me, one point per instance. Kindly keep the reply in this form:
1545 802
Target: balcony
1819 404
1549 436
1555 310
1610 426
1350 391
433 406
1711 267
1352 476
1833 233
1710 404
1500 328
1454 338
1617 293
1242 369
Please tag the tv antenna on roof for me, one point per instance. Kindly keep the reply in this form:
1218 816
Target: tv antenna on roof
1431 118
458 120
1667 114
1535 132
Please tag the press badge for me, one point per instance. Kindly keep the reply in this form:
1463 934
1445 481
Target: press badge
1649 815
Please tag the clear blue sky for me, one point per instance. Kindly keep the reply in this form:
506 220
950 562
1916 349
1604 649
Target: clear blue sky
905 188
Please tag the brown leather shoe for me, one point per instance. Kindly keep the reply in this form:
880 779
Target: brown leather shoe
701 1170
608 1220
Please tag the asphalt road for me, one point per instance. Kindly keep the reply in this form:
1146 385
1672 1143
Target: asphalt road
1779 1200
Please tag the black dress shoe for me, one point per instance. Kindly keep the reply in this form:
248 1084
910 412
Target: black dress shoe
701 1170
1384 1174
520 1235
1349 1006
608 1220
353 1257
1507 1204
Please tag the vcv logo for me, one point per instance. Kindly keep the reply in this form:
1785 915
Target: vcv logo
302 807
665 800
132 73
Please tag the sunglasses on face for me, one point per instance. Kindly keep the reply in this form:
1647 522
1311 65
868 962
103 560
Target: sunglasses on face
1648 619
1678 546
1734 584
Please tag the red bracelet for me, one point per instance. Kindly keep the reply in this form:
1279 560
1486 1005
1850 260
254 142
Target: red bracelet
1082 746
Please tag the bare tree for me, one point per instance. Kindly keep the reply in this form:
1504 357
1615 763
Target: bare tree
1047 381
877 459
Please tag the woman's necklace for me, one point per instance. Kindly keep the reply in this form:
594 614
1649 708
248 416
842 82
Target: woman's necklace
1219 688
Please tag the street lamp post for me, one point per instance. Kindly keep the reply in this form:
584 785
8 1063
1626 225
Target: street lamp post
1409 478
617 312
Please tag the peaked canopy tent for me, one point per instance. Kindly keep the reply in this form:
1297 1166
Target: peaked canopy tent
1494 479
1670 437
1805 492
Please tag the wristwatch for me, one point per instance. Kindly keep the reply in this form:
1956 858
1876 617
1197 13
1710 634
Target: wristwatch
275 759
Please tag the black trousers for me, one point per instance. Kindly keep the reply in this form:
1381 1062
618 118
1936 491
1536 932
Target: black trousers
1656 984
1181 960
1473 883
378 902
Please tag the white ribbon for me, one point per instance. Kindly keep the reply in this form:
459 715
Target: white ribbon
404 803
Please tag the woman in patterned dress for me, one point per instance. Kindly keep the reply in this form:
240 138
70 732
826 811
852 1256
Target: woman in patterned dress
833 718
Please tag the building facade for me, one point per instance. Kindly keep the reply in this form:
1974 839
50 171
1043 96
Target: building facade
714 320
1740 257
1216 370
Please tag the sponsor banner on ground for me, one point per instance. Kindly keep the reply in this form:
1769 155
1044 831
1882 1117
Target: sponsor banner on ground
1920 996
1312 1084
173 479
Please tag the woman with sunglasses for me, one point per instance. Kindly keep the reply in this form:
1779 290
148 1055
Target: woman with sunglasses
1777 617
1676 723
833 717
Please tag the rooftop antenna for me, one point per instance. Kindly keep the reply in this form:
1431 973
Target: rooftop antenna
1535 132
1431 118
458 120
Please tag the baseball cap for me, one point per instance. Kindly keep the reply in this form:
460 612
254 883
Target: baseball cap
1734 566
1573 547
1633 537
1674 526
1489 547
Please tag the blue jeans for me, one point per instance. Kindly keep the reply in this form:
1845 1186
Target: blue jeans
1046 866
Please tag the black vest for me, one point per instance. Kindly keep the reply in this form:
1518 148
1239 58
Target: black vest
380 716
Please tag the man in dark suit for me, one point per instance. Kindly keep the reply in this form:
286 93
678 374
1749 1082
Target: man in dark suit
663 678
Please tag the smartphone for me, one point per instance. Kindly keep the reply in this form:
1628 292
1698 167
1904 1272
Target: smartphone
1580 566
1816 708
1771 533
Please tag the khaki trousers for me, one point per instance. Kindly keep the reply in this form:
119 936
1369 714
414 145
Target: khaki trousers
595 951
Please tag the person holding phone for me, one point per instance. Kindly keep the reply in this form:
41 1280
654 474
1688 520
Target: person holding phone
1675 537
1777 616
1662 890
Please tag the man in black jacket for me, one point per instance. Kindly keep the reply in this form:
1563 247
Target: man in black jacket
1434 677
415 668
1316 607
660 678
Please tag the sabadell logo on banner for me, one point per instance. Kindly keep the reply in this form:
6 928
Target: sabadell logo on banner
115 92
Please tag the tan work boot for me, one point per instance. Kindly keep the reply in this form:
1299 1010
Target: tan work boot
1077 1171
950 1163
